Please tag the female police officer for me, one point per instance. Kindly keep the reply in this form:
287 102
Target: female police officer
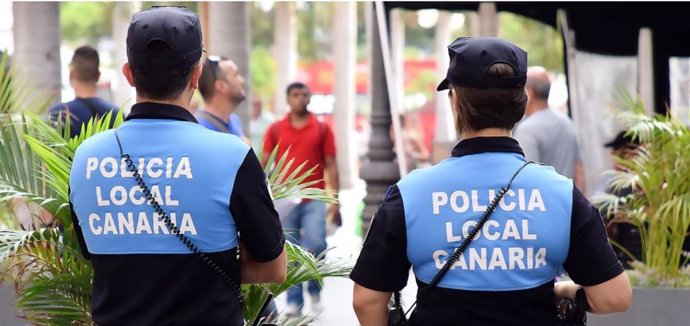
506 274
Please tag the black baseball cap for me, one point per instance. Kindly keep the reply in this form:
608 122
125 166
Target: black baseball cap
178 27
623 139
471 57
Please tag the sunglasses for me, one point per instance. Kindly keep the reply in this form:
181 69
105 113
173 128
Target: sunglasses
213 62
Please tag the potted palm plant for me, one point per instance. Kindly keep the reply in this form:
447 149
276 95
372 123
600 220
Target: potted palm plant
44 263
659 207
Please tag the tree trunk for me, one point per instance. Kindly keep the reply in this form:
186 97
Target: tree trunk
229 37
488 19
397 31
124 95
345 27
285 52
37 47
445 134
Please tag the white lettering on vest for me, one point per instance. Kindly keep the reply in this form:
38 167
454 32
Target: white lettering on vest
507 206
476 207
108 167
118 191
151 169
438 199
99 198
93 217
125 222
91 165
454 201
183 168
535 201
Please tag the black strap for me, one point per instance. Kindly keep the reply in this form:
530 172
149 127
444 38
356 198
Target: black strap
465 243
174 229
215 121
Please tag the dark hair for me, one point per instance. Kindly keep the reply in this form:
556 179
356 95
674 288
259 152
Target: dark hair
540 87
295 85
482 108
209 75
160 82
84 64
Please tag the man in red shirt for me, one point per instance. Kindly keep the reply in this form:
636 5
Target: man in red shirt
313 142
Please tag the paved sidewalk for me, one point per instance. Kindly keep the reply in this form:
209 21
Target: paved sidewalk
337 292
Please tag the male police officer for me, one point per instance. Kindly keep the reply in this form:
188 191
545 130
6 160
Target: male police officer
143 274
505 276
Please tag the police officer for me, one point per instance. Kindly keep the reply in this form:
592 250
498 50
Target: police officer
209 185
506 274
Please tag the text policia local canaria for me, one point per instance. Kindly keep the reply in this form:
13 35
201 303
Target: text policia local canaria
145 221
522 256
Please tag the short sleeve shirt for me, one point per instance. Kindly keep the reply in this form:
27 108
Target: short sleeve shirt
150 284
590 261
312 143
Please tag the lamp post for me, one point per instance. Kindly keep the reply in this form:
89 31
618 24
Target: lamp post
378 170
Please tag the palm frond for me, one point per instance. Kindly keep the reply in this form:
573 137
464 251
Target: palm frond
16 91
20 172
285 184
302 267
659 205
59 290
56 300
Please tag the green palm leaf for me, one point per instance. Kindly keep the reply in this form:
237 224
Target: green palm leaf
659 205
59 290
16 91
285 184
302 267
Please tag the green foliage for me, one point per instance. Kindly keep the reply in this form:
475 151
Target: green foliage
284 185
543 43
85 22
262 25
262 70
58 291
314 30
192 5
659 205
303 267
52 278
15 91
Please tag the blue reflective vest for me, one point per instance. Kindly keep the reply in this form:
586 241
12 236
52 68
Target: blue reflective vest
522 245
192 184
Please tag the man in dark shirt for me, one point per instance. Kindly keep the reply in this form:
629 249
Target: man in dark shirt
210 186
83 76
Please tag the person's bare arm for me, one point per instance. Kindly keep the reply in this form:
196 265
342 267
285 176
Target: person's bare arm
614 295
264 159
371 307
331 168
579 176
274 271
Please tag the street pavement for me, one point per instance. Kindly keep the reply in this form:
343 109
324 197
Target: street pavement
336 295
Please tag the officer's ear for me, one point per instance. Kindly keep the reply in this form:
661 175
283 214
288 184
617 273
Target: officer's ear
194 78
127 71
